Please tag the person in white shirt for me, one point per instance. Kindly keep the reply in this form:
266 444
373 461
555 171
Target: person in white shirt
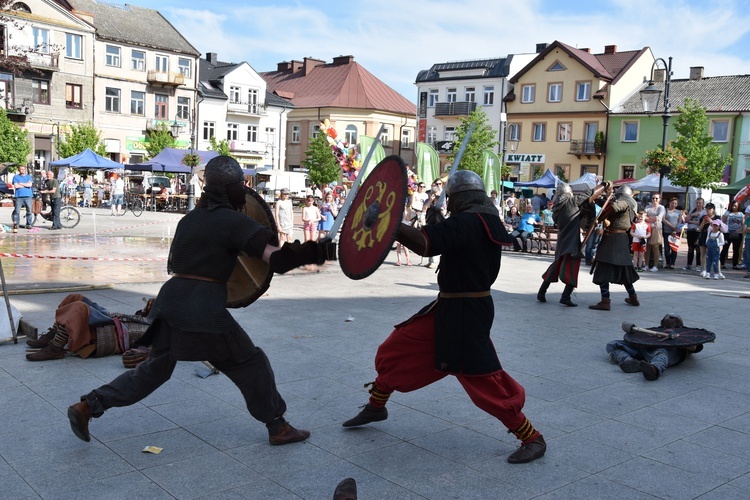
118 194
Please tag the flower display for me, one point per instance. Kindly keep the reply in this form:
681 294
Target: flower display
346 154
663 161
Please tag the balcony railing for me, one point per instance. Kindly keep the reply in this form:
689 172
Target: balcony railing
165 78
454 108
583 148
50 62
248 108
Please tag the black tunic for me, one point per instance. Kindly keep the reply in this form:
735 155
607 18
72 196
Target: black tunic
206 243
613 262
470 248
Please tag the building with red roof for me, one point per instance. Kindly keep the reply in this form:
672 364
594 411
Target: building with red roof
354 100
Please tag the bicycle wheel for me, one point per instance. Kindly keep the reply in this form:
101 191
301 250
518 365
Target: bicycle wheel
123 209
137 207
69 217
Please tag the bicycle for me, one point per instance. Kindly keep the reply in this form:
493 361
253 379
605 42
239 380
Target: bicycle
133 203
70 216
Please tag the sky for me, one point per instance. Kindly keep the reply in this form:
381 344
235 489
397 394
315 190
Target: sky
395 39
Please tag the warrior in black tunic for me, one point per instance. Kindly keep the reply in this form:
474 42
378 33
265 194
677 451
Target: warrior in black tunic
613 263
451 335
190 321
567 214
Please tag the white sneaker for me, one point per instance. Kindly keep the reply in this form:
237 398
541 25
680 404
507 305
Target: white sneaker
721 276
654 269
704 274
716 276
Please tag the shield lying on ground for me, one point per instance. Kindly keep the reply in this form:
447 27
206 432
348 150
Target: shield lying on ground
251 276
376 211
680 337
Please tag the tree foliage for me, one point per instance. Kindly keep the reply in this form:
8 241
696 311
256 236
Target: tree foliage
704 163
159 138
14 144
79 138
322 165
221 147
482 138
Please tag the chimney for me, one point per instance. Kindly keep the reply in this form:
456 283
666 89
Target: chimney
586 50
610 49
212 57
284 66
540 47
659 75
342 60
296 66
696 72
309 64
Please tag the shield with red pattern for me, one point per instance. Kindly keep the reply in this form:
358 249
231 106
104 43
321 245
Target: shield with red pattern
376 211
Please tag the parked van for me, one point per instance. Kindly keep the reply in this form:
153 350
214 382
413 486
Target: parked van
149 184
270 181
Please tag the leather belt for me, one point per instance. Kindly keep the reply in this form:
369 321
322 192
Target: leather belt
615 231
463 295
196 277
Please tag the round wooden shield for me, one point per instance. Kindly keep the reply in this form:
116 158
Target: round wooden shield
376 211
251 276
681 337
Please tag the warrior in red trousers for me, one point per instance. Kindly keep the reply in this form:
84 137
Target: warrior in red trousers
451 336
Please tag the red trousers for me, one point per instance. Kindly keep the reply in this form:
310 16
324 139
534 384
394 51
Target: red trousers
405 362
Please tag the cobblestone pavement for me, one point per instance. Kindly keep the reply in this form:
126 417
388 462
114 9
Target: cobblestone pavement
610 434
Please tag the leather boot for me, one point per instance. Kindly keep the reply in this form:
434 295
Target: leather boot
602 305
79 415
565 299
540 295
281 432
346 490
42 341
650 372
633 300
529 452
47 353
368 414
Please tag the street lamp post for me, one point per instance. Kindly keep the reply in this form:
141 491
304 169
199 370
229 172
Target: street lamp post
650 102
176 128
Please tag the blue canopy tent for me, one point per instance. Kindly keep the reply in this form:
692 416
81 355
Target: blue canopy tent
86 160
547 180
170 161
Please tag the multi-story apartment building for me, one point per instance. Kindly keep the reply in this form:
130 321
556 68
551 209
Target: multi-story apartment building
145 75
727 103
350 97
235 105
561 101
56 90
452 90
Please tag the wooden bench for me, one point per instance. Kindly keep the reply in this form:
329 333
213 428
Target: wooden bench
543 239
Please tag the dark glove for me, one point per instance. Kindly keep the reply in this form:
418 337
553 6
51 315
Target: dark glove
293 255
433 215
327 250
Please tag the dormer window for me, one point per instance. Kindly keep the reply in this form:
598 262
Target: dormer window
557 67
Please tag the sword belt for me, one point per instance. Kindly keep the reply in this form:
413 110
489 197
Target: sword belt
463 295
196 277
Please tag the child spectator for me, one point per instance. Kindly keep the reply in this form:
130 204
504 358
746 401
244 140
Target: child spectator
714 242
547 215
641 231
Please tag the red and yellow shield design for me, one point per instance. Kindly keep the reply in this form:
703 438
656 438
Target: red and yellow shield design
376 211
